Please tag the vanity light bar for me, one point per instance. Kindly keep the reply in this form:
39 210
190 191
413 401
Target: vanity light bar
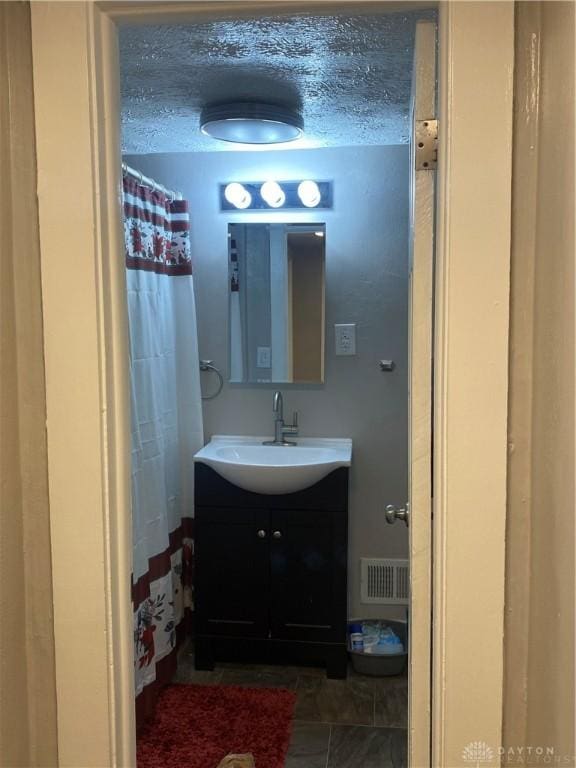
269 195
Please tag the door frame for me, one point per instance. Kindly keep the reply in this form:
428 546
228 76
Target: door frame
75 67
420 402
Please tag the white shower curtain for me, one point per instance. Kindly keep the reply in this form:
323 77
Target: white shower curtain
166 429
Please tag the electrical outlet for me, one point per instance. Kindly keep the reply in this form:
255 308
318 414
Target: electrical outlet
263 357
345 338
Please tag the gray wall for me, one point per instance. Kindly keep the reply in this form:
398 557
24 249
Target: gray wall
366 284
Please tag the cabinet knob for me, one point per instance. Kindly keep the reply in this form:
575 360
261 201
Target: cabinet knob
261 534
277 534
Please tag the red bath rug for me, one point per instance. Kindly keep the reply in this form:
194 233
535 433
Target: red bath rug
196 726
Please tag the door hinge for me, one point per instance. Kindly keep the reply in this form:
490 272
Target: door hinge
426 145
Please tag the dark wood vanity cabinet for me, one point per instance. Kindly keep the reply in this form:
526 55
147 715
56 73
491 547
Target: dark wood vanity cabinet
270 573
232 571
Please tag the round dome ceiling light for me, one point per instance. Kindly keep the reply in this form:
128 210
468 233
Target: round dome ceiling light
250 123
309 193
273 194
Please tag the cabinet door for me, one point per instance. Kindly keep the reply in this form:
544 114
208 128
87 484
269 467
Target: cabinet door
232 572
308 575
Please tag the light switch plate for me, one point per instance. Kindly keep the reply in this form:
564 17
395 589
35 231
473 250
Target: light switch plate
263 357
345 338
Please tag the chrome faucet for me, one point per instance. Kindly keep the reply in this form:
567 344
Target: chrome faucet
281 429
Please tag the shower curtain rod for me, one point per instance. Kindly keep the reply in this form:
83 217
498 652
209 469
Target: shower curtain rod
146 181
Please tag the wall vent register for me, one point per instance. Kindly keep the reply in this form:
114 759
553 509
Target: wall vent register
384 581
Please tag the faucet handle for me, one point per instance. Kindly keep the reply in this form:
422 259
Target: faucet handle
291 429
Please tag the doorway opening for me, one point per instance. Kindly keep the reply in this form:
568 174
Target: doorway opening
271 568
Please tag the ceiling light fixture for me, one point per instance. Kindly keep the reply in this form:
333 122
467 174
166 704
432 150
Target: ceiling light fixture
309 193
237 195
250 123
273 194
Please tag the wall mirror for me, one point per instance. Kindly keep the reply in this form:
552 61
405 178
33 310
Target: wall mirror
276 303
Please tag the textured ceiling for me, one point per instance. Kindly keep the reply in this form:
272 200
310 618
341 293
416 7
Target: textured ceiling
349 75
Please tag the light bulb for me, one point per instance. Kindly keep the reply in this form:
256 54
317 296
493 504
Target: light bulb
309 193
237 195
273 194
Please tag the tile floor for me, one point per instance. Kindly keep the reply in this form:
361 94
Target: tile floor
349 723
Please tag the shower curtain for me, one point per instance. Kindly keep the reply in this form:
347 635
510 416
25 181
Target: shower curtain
167 430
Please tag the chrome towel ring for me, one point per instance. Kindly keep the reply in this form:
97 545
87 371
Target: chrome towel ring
208 365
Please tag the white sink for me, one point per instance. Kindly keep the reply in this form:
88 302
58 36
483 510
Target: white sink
271 469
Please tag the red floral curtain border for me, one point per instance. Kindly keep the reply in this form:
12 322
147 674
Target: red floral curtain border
156 231
162 603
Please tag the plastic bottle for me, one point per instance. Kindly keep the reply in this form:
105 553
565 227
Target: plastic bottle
356 641
356 637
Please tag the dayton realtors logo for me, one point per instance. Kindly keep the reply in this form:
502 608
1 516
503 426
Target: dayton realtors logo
530 755
478 753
